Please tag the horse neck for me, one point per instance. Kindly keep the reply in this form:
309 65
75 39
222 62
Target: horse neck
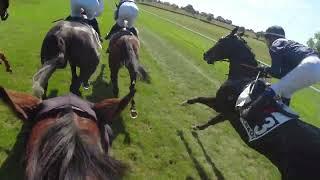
64 151
237 70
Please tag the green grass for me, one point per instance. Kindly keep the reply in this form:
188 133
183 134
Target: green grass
173 56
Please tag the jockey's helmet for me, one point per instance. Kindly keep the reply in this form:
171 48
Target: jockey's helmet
275 31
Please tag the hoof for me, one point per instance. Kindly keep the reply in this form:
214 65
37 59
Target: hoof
185 103
86 86
195 127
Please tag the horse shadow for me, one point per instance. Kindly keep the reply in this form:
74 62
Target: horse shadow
13 167
101 90
202 173
217 172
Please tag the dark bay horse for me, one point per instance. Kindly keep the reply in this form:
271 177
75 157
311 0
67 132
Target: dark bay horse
4 5
124 51
71 41
69 137
234 48
276 132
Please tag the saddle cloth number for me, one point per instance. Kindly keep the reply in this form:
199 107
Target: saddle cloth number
256 131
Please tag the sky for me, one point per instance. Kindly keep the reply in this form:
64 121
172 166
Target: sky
299 18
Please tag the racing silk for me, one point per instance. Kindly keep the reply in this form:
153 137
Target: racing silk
64 102
92 8
127 10
286 55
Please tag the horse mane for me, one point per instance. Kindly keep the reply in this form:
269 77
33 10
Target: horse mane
244 42
62 154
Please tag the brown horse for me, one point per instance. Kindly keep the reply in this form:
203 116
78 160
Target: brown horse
124 50
71 41
4 5
70 141
6 62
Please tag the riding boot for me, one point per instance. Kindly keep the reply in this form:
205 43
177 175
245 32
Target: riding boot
134 31
95 25
257 105
113 30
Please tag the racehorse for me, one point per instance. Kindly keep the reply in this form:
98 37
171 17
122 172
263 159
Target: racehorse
292 145
69 137
6 62
4 5
71 41
124 50
242 62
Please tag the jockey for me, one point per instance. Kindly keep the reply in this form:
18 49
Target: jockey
91 8
126 10
296 65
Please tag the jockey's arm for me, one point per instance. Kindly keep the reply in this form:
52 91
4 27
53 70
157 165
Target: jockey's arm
277 61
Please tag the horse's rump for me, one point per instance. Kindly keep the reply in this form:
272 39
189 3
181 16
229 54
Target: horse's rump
294 148
72 39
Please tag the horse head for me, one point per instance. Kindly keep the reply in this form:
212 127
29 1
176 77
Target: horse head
230 47
68 142
4 5
234 48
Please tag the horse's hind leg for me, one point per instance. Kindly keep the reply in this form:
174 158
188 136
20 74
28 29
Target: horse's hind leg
114 70
219 118
208 101
75 83
86 73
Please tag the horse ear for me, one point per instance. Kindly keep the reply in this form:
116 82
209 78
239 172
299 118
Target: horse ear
234 31
110 109
22 104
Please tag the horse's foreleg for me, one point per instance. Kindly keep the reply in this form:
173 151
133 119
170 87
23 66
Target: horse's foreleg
75 84
219 118
209 101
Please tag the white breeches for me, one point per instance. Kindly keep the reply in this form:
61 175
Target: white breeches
127 11
304 75
92 8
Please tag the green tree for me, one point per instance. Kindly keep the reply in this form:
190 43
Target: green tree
210 17
314 42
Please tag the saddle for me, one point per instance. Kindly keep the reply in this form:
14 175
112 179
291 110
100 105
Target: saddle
252 91
120 33
81 20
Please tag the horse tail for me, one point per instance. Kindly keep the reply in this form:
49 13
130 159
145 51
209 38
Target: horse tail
131 61
54 48
62 153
